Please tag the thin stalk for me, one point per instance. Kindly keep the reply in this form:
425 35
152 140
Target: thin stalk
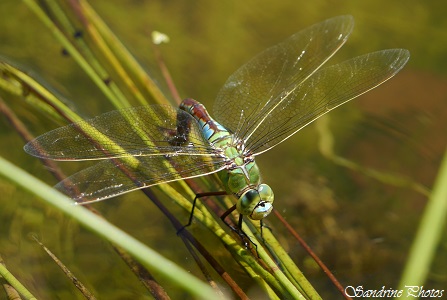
292 272
104 50
113 94
101 227
305 284
70 31
429 233
14 282
285 286
79 285
123 54
166 74
145 277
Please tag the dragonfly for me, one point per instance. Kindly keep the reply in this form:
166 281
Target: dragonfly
265 102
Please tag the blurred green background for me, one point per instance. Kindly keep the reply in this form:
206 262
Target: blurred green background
362 228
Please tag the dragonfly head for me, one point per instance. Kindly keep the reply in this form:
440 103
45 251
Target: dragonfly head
256 202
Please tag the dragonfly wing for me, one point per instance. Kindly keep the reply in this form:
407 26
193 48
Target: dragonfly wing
324 91
254 87
136 131
110 178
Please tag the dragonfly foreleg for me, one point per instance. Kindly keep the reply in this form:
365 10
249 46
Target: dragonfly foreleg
238 230
200 195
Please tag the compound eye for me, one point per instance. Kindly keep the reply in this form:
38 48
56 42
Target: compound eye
266 193
264 207
262 210
256 203
248 202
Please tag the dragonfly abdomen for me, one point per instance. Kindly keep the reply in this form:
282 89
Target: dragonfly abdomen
211 130
241 172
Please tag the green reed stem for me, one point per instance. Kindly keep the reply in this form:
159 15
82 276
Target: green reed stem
429 233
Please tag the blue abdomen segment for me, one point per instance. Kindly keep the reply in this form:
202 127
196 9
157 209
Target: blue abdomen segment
211 129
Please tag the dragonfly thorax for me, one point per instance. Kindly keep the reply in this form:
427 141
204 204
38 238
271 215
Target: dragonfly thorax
242 179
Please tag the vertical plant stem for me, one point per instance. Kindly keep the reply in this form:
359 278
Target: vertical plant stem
429 233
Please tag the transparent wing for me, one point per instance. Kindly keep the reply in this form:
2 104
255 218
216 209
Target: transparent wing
139 146
136 131
258 86
322 92
113 177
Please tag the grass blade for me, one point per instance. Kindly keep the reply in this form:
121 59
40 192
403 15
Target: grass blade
148 257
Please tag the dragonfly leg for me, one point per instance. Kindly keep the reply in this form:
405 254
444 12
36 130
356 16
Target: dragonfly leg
225 214
200 195
238 230
239 223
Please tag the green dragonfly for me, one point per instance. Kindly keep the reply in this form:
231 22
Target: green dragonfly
263 103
